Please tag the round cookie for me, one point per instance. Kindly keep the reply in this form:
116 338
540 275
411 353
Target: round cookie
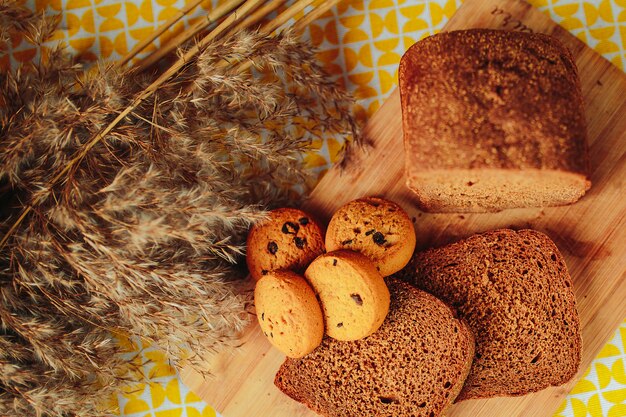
378 228
288 239
288 312
353 294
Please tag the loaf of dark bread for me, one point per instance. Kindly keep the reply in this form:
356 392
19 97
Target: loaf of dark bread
414 365
492 120
515 292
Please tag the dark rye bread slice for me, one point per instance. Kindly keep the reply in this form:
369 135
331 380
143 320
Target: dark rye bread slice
514 290
492 120
414 365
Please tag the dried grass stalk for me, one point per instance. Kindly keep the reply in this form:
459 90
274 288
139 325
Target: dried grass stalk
144 235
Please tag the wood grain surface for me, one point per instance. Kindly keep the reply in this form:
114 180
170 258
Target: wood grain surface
590 233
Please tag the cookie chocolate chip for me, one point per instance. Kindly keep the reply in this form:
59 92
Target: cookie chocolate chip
290 228
272 248
379 238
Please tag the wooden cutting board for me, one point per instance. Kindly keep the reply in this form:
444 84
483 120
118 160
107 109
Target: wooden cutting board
589 233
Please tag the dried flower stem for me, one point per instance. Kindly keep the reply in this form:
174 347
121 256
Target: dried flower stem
322 8
213 16
197 27
298 27
285 16
15 225
180 63
161 29
258 15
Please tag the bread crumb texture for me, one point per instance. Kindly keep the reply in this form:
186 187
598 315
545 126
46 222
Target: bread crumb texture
514 291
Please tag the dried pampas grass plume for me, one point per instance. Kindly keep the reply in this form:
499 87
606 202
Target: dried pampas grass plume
143 236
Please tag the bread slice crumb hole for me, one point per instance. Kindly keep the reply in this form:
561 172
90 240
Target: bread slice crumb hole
388 399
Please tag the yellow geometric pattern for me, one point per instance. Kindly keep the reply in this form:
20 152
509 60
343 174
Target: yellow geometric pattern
360 43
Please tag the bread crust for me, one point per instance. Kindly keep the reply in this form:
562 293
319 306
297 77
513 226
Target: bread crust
489 99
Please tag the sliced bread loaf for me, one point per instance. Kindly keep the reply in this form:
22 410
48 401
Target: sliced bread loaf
492 120
515 292
414 365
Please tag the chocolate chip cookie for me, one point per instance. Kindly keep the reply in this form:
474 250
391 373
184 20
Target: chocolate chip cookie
288 239
353 294
378 228
288 312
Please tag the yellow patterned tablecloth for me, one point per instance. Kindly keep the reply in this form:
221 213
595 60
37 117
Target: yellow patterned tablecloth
361 42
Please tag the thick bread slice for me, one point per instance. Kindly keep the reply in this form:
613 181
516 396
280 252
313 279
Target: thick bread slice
514 290
492 120
414 365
